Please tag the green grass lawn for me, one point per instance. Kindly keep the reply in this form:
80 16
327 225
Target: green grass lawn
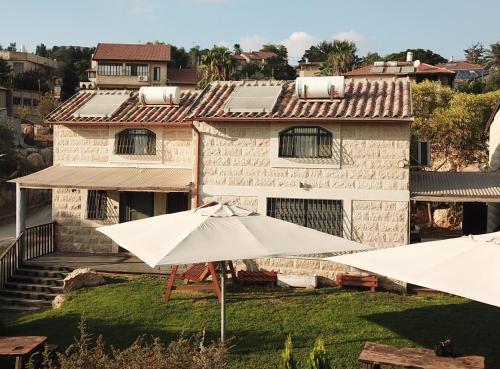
259 319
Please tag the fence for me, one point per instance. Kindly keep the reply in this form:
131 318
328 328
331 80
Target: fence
33 242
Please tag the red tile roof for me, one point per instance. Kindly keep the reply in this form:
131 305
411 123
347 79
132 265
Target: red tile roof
460 65
185 76
132 111
132 52
386 99
423 68
255 55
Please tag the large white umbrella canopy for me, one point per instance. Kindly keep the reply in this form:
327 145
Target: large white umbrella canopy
220 232
465 266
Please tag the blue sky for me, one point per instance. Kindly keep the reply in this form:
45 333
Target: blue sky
444 26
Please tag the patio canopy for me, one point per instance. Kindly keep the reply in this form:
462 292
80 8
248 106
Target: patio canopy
455 186
109 178
464 266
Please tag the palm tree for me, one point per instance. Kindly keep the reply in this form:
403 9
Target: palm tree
341 58
215 64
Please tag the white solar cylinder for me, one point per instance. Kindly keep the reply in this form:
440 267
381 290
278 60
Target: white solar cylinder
319 87
160 95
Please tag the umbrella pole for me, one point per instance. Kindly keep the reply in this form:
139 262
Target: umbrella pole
222 301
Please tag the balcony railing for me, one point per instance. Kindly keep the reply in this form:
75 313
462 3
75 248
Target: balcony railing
33 242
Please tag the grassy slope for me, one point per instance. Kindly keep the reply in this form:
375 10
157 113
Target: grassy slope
260 319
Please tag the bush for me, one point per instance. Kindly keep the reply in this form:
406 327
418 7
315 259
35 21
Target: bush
317 357
144 353
286 357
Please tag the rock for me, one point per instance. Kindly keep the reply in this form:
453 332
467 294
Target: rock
58 301
35 160
47 155
83 277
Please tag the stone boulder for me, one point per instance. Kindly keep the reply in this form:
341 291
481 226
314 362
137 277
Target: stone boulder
445 218
47 155
58 301
35 160
83 277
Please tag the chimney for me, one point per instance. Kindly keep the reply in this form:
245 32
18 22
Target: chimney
409 56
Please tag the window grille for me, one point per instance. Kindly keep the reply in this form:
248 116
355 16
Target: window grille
156 73
305 142
135 142
136 70
322 215
97 201
109 69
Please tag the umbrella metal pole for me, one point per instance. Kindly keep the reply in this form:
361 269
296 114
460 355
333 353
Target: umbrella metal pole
222 302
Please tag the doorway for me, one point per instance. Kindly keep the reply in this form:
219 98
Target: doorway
177 201
136 205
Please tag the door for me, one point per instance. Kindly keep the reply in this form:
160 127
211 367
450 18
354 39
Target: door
136 205
474 219
177 201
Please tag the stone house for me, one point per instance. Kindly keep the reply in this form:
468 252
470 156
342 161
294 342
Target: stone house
339 165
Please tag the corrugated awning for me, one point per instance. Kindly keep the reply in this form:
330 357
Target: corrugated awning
455 187
110 178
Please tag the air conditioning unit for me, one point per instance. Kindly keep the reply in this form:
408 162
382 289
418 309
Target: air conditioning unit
142 78
420 154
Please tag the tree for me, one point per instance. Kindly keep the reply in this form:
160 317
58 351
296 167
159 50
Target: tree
41 50
179 57
493 56
5 73
475 53
278 68
12 47
35 80
319 52
425 56
454 123
493 81
215 64
8 161
341 59
237 49
370 58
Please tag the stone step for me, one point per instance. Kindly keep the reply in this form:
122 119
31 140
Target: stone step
48 281
14 301
35 272
30 295
18 309
33 287
37 265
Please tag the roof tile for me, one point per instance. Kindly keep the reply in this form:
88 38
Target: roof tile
132 52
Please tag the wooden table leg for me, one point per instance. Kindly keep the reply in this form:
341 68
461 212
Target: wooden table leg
19 362
171 281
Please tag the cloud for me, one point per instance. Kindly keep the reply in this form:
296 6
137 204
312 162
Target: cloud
252 42
351 35
212 1
223 43
297 43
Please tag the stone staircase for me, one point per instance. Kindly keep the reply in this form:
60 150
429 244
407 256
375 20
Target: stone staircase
32 287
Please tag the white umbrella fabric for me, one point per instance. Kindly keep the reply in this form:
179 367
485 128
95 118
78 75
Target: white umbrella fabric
466 266
220 232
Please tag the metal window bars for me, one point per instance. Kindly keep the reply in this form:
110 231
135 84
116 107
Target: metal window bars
305 142
322 215
97 204
135 142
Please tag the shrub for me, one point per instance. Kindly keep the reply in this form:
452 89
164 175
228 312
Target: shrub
317 357
286 357
144 353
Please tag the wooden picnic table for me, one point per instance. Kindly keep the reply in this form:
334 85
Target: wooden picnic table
19 347
374 355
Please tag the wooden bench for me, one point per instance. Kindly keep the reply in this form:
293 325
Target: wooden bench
257 277
375 355
352 280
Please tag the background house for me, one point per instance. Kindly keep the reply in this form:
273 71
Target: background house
309 69
256 57
129 66
465 71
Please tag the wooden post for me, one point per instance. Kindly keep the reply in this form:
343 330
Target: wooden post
171 280
215 280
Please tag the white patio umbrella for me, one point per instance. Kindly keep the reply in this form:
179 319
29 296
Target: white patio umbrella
465 266
217 233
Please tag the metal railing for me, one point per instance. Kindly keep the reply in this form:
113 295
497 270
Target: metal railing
33 242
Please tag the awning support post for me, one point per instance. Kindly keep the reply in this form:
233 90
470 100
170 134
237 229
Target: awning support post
20 210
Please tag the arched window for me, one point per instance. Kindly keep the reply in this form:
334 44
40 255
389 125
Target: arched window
305 142
134 141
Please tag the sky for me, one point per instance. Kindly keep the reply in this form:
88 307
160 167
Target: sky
444 26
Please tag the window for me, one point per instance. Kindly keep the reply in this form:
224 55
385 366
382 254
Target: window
18 68
322 215
97 201
136 70
156 73
35 102
16 100
135 142
305 142
26 101
109 69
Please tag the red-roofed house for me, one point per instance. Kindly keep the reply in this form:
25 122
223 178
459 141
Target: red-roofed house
418 73
256 57
129 66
